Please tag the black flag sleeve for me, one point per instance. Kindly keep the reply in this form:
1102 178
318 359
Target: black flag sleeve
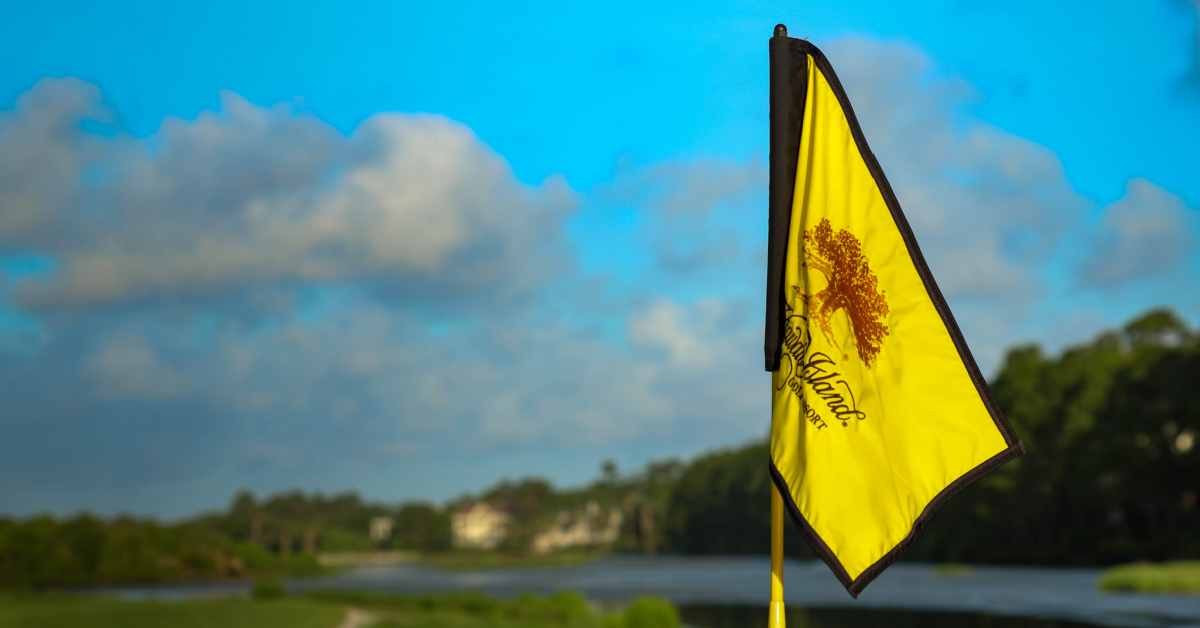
789 83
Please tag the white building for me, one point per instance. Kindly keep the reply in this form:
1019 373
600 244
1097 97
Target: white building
585 528
479 526
381 530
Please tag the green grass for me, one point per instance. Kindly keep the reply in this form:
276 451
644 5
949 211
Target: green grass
468 609
325 609
1173 577
57 611
475 610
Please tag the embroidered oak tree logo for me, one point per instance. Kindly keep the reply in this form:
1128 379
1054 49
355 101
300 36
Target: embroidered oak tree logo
852 288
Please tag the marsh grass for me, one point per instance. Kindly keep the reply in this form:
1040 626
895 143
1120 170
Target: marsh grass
475 610
57 610
326 609
951 570
1172 577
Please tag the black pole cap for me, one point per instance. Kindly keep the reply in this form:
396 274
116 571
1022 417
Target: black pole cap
780 30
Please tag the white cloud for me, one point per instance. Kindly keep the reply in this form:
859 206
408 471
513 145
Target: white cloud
699 214
1148 232
661 325
1001 226
691 188
254 195
42 153
988 208
369 377
129 366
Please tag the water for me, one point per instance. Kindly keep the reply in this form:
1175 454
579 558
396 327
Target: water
992 597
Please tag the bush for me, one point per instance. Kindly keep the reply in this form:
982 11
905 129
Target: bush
570 607
651 612
267 590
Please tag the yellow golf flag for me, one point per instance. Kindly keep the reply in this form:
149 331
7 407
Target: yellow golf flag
879 413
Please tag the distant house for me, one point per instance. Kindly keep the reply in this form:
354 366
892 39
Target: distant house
584 528
381 530
479 526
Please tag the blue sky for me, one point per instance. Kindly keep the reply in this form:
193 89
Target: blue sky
411 249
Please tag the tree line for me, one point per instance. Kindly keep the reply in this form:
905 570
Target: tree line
283 534
1112 468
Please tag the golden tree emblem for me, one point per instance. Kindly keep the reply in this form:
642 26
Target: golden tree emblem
852 287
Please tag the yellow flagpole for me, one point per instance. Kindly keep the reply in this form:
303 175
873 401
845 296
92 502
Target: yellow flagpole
783 97
777 618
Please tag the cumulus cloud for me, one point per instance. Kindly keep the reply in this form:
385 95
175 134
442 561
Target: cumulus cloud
129 366
187 283
661 325
1148 232
695 211
994 213
42 154
252 195
989 208
999 223
691 369
693 188
368 380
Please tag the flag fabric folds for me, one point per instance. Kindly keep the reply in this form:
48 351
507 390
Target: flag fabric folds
879 413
